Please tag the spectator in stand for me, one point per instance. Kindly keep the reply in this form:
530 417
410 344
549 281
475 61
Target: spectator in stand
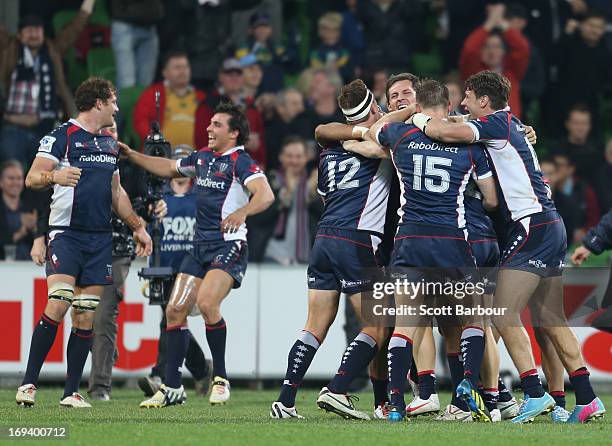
282 234
274 58
289 118
331 53
351 34
495 46
582 211
585 154
603 180
533 84
134 40
321 88
17 214
376 80
231 89
33 84
386 27
183 112
584 65
455 92
253 74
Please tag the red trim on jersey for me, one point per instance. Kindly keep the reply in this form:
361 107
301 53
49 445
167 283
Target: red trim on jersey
409 132
343 238
484 240
545 223
429 236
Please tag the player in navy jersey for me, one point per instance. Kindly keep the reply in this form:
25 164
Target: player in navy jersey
81 165
177 232
343 258
432 223
532 258
225 177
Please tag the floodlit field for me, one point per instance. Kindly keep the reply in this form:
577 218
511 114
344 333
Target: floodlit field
245 421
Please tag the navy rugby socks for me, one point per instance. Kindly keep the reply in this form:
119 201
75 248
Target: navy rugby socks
79 345
582 386
472 351
177 338
299 359
42 341
357 356
216 335
400 358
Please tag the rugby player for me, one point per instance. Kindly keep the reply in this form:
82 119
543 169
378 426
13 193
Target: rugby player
225 177
343 258
532 259
432 221
81 165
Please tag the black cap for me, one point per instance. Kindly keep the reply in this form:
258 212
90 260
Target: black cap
30 20
260 18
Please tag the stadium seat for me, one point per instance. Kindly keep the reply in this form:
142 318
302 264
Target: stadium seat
127 101
101 62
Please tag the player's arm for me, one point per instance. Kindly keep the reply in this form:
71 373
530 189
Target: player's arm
43 174
453 132
262 198
335 131
369 149
396 116
162 167
489 193
123 208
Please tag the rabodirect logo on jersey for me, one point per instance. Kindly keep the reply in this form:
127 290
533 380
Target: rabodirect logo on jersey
432 146
207 182
99 158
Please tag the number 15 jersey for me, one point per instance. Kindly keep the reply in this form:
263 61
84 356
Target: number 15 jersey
355 190
433 175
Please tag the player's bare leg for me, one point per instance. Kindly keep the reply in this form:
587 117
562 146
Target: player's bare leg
554 324
214 288
322 310
182 300
61 291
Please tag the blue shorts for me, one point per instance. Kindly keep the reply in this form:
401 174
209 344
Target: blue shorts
427 246
486 253
344 260
84 255
228 256
537 244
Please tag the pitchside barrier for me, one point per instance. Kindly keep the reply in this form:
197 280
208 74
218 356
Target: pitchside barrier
263 317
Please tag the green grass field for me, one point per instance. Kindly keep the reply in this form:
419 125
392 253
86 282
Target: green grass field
245 421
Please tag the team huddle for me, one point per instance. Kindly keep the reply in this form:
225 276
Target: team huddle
450 173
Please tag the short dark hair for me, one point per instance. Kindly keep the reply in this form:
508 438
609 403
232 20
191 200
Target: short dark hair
8 164
489 83
516 10
400 77
176 54
237 120
432 93
579 107
91 90
352 94
293 139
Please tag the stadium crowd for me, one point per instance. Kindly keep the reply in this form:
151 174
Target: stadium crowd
285 61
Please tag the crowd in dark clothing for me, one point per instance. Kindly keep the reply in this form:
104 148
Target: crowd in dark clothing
285 61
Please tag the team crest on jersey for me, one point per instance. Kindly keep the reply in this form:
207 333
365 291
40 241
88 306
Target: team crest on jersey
223 167
46 144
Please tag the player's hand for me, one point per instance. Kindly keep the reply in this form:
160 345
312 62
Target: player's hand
39 250
161 209
124 149
233 221
68 176
144 244
531 135
580 255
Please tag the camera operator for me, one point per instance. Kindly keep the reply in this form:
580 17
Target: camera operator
178 228
104 346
